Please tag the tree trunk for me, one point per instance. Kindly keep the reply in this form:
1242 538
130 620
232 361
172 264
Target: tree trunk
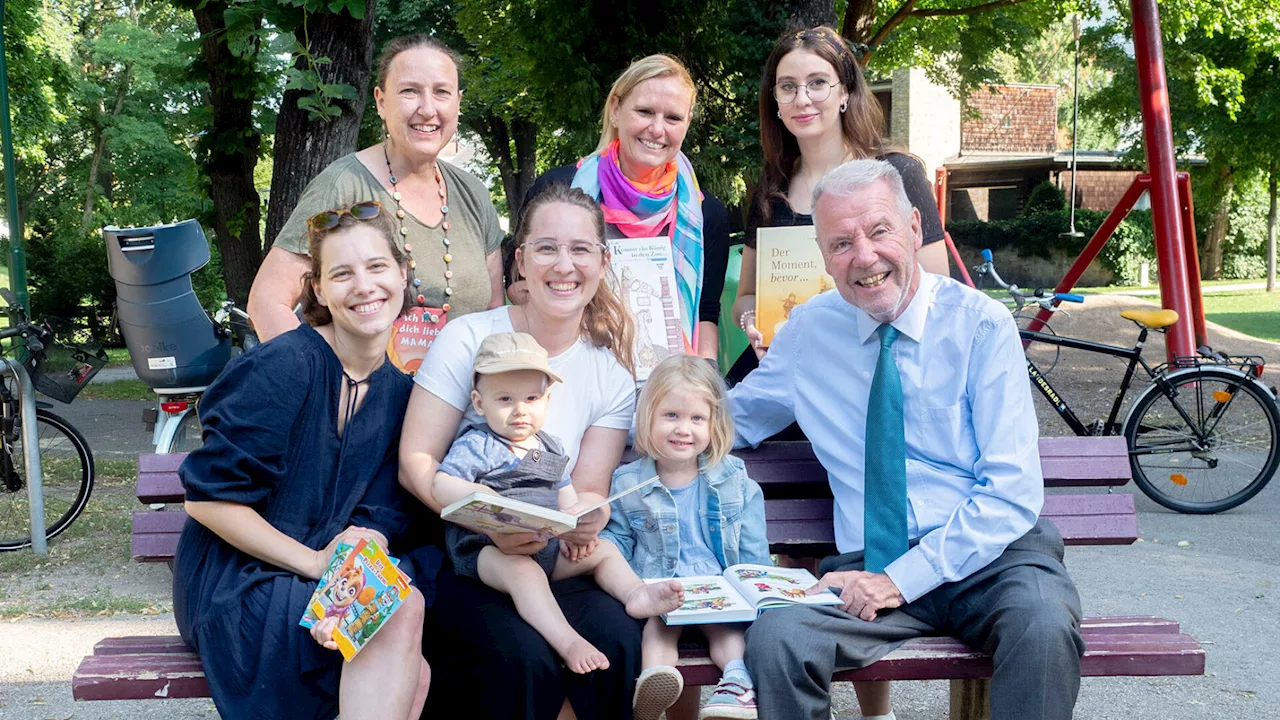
1218 227
100 149
229 152
859 20
517 171
303 145
1271 228
810 13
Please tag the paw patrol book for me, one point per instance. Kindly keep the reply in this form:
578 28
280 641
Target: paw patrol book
362 587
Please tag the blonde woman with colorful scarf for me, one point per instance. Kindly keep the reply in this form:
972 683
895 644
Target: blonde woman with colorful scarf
647 188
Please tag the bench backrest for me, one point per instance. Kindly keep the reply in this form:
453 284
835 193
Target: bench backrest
798 504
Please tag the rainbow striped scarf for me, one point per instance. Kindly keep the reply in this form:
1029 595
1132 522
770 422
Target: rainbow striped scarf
642 210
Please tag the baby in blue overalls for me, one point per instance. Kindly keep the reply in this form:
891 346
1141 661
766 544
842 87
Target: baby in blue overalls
510 455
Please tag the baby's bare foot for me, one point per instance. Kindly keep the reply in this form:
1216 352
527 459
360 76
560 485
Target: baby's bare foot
652 599
582 657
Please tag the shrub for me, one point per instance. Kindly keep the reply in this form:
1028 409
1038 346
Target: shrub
1044 198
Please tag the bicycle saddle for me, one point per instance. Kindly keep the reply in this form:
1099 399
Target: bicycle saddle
1154 319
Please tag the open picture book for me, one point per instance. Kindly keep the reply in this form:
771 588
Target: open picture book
486 512
361 587
742 592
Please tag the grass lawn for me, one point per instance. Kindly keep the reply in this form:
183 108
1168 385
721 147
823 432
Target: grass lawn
118 390
1252 312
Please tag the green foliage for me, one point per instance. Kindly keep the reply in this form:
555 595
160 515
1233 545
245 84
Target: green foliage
1040 235
1044 198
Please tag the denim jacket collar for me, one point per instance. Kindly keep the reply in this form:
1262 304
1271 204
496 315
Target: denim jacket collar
714 475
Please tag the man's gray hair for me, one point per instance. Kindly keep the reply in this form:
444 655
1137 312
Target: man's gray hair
853 176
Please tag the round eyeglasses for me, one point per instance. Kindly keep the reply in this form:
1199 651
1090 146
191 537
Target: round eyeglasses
818 89
547 252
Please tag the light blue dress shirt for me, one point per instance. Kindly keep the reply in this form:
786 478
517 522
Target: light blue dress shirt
973 464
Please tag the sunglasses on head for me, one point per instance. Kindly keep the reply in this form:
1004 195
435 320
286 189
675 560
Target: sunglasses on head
329 219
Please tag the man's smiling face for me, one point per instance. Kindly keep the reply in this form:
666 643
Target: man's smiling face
869 247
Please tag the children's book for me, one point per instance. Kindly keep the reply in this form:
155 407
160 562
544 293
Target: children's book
362 587
742 592
789 271
486 512
646 277
412 335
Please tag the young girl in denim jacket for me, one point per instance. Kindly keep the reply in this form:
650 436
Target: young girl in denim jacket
705 516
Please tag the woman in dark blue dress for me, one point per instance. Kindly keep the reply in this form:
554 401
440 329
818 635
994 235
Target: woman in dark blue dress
300 445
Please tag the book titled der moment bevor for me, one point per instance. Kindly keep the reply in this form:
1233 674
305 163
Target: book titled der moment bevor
486 512
789 271
742 592
646 284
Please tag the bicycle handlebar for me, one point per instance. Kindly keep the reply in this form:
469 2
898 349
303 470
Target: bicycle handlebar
988 269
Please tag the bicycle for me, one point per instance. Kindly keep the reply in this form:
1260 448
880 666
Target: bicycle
67 461
175 421
1203 437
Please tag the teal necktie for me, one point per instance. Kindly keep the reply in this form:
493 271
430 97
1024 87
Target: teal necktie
885 511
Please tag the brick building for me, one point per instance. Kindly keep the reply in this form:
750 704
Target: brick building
1003 145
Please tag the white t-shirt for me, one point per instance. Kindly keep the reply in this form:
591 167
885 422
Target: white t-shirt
597 391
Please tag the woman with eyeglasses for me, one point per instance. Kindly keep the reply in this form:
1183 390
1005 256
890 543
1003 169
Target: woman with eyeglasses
299 454
816 113
497 665
443 216
647 188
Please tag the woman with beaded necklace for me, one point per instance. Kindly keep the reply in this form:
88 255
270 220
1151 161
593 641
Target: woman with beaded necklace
446 222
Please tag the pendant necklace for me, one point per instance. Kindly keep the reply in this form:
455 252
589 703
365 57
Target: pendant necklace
404 232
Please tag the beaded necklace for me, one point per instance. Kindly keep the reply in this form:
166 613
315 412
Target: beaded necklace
404 232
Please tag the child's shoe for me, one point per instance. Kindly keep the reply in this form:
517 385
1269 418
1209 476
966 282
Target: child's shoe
730 701
657 689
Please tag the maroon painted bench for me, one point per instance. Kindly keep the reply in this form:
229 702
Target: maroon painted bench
798 506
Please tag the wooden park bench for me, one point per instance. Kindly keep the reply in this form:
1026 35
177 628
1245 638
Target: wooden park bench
798 506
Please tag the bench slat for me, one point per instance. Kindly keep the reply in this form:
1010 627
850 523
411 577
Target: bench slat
1107 655
1084 461
169 669
139 677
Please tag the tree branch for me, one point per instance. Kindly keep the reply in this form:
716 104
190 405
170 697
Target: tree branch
888 27
971 10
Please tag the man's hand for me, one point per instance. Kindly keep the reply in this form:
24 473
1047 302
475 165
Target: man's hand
864 594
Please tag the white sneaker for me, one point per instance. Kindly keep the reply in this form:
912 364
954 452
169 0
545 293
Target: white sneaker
657 689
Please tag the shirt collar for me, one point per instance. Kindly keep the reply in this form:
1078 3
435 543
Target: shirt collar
911 321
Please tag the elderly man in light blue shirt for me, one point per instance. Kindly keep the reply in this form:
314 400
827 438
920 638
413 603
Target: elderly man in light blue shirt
913 391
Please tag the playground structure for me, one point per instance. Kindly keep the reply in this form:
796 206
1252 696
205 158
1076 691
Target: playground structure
1172 211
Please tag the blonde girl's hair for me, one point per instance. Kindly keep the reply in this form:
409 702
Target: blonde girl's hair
646 68
697 375
605 321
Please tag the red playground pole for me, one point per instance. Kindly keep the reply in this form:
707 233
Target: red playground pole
1166 215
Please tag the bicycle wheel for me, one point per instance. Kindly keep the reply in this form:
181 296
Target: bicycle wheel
1225 455
189 435
66 476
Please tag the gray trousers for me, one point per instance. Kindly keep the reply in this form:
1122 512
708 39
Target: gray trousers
1022 609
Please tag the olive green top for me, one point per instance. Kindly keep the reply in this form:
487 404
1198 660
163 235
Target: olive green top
474 231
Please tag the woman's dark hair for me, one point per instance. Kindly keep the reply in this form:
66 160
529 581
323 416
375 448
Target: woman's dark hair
412 42
862 123
313 312
605 321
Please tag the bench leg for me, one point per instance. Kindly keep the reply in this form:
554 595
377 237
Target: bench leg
971 699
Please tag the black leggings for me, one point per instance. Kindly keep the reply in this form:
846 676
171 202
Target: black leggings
487 662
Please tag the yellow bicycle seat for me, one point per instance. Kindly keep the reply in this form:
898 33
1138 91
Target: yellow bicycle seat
1154 319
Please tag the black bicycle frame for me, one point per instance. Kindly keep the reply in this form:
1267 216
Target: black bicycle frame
1042 384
